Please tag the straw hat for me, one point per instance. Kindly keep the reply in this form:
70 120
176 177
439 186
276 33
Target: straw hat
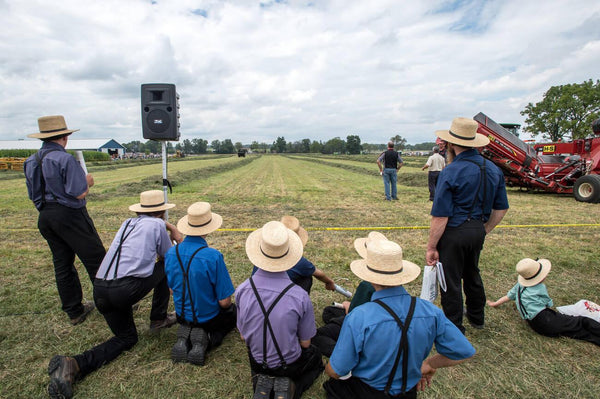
293 224
199 220
532 272
274 247
384 265
51 126
360 244
151 201
463 132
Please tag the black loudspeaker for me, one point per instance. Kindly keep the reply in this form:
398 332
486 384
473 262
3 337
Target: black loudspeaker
160 112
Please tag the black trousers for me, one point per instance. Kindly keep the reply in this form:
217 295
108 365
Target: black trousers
303 371
328 334
114 299
432 178
459 249
217 327
304 281
355 388
552 324
71 232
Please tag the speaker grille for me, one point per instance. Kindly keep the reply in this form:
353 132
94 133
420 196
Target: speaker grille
158 121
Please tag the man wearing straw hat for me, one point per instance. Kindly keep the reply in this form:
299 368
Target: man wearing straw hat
470 200
383 348
57 185
276 317
201 286
132 267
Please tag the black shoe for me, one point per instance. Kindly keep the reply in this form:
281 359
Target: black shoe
477 326
264 386
395 198
63 372
180 350
283 388
199 340
167 322
88 306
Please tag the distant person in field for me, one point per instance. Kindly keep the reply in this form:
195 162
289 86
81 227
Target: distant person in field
435 163
201 286
470 200
383 348
58 186
132 267
276 317
303 272
534 305
389 162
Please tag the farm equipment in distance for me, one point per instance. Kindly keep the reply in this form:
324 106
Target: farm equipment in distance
569 167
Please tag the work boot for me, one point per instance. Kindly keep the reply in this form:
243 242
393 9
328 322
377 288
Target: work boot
167 322
63 372
199 340
180 350
88 306
264 386
283 388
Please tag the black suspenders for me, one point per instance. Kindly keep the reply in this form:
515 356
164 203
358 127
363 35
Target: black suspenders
403 343
39 160
521 306
483 178
186 282
117 254
267 323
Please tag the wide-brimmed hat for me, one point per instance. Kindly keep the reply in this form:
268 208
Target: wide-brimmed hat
274 247
151 201
463 132
51 126
360 244
532 272
384 265
293 224
200 220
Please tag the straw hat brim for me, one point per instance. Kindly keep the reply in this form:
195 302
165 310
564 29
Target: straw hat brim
546 266
360 244
263 262
480 140
53 134
146 209
410 271
303 234
184 227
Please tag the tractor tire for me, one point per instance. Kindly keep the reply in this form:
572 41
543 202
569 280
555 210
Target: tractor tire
587 188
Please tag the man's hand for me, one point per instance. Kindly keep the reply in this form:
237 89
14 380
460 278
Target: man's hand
427 373
90 180
330 285
432 256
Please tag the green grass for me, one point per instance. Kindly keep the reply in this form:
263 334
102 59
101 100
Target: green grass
323 192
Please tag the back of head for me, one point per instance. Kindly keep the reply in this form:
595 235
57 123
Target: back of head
390 144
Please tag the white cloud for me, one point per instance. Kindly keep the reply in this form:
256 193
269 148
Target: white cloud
298 69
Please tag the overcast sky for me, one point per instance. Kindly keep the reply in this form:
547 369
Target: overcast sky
255 70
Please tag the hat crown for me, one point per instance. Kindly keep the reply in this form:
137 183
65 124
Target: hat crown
291 222
199 214
274 240
52 123
152 198
384 256
464 128
528 268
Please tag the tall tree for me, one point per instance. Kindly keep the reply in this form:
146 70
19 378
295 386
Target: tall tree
199 146
399 141
333 146
353 144
279 145
216 146
566 110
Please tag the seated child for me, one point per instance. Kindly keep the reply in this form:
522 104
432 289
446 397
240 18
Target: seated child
533 304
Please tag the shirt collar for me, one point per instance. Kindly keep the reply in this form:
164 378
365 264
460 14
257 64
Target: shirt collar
50 145
467 153
392 291
273 275
195 239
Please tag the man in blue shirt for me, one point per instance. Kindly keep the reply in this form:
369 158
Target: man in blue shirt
383 348
201 286
57 185
470 200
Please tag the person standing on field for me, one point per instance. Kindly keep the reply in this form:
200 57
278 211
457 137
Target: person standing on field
435 163
58 186
470 200
389 162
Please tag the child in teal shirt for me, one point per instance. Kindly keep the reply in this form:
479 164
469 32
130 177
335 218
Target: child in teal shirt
534 305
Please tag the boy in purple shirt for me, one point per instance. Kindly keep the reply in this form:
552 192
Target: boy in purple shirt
276 317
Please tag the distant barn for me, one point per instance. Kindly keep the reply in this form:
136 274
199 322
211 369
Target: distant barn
109 146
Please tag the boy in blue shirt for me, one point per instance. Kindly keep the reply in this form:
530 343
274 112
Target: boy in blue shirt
533 303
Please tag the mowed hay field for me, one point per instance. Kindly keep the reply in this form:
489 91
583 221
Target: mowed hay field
337 199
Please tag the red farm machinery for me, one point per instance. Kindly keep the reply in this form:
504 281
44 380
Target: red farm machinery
564 167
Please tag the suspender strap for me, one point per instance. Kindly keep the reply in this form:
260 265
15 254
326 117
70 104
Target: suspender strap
39 160
186 282
117 254
403 343
521 306
482 179
267 323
